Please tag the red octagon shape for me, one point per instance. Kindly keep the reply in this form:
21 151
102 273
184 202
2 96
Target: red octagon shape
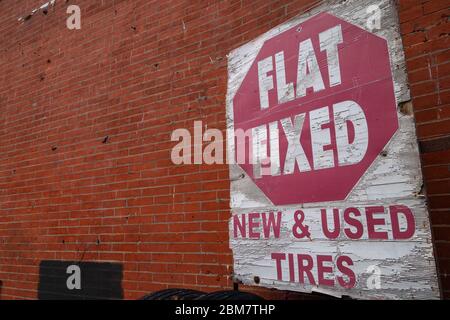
365 79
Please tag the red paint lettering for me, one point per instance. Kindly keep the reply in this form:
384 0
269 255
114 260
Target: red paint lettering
252 225
372 222
322 270
269 224
345 271
291 267
358 233
305 269
278 257
238 225
337 225
394 212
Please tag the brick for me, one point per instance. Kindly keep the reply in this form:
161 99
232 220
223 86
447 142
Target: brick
438 187
438 157
439 201
440 217
411 13
435 5
434 129
443 249
167 225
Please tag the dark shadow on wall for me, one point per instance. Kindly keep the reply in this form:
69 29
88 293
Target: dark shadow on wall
73 280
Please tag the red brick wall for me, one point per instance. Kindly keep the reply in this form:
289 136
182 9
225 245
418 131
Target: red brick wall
425 30
85 124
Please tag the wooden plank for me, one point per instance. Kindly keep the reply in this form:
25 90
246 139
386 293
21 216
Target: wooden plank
407 266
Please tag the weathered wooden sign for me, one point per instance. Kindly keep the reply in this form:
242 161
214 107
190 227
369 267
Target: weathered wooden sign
326 180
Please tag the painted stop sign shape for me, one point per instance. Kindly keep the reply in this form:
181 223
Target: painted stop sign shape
317 107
